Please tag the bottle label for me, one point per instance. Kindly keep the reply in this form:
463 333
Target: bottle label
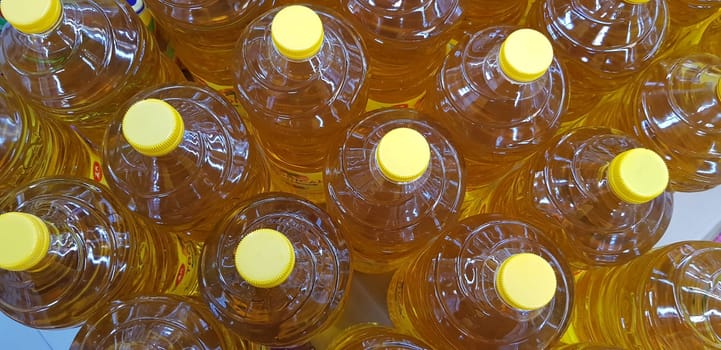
227 91
450 45
143 13
96 165
186 275
303 184
570 337
412 103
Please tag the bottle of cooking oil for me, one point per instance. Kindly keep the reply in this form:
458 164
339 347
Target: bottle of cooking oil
276 270
204 33
688 21
406 43
600 195
78 60
491 281
67 246
33 145
370 336
666 299
480 14
601 44
394 182
674 108
301 75
501 93
178 154
152 321
710 42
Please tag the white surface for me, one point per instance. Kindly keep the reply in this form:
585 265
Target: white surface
696 216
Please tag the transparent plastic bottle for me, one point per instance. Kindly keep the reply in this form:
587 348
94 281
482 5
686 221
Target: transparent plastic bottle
156 322
302 83
710 42
204 34
394 182
688 21
666 299
480 14
79 60
490 282
276 270
600 195
33 145
674 108
601 44
369 336
501 94
406 43
178 154
67 246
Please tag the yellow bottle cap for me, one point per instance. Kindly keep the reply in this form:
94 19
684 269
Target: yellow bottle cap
526 55
403 155
638 175
297 32
718 89
24 241
265 258
526 281
153 127
636 2
32 16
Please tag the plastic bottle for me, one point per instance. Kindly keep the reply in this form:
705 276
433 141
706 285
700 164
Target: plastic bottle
301 75
501 93
601 196
666 299
34 146
179 154
674 108
394 182
480 14
490 282
78 60
406 43
369 336
710 42
688 21
276 270
204 34
67 246
601 44
156 322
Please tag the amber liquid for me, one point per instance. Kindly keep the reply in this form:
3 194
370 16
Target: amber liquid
188 190
372 336
480 14
156 322
406 44
98 252
311 298
667 299
96 57
33 146
298 108
674 110
387 222
689 19
447 296
564 190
